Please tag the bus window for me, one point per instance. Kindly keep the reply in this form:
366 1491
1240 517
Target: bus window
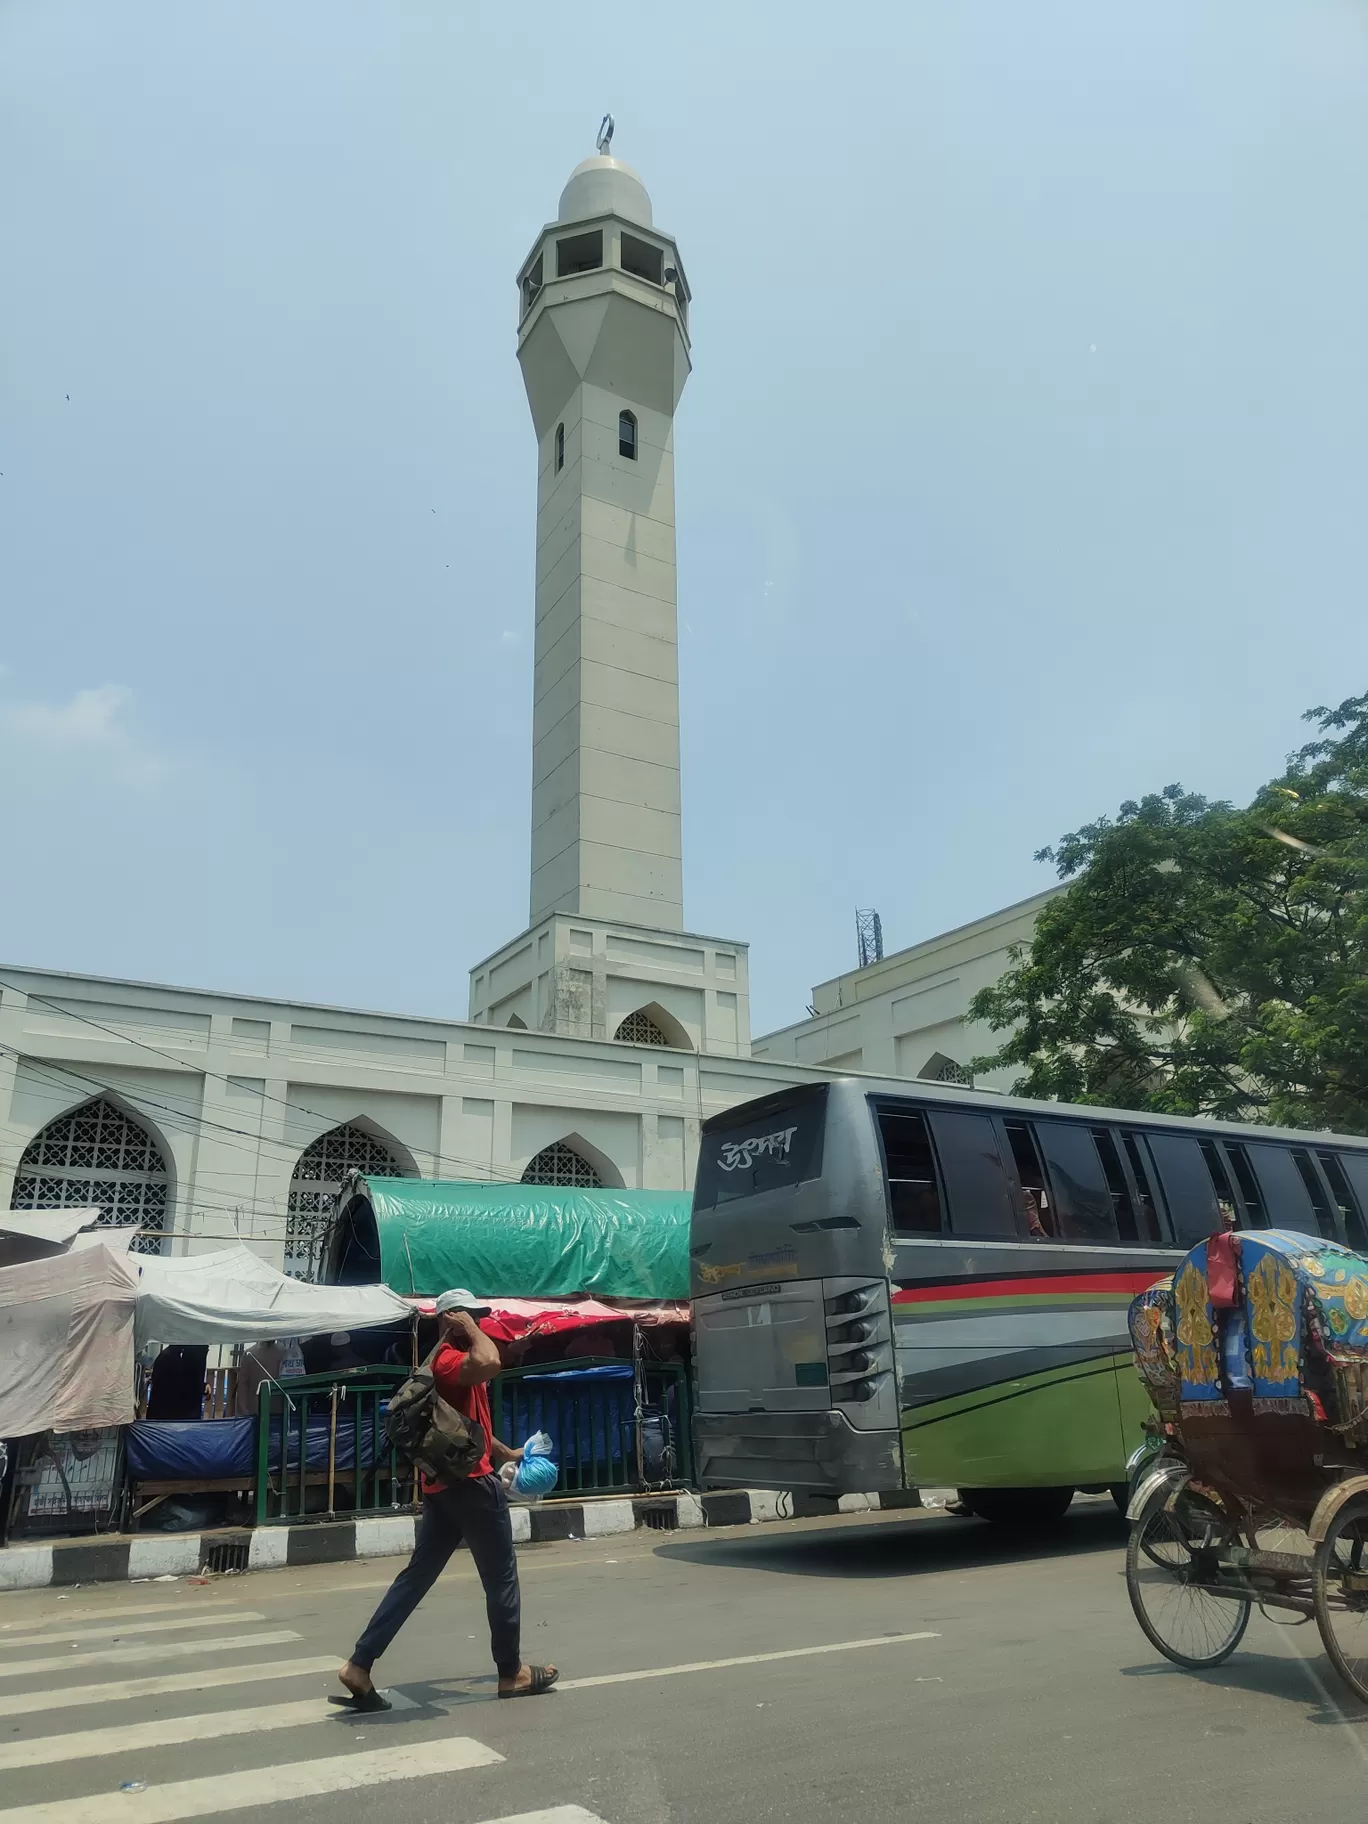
1187 1187
1350 1213
1040 1224
1122 1208
1356 1170
1220 1183
1284 1193
978 1188
1083 1204
771 1145
1256 1216
914 1206
1151 1229
1315 1190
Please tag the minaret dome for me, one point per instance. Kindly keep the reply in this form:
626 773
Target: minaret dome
604 186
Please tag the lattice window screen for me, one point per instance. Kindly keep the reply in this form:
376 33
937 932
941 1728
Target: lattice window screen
318 1177
561 1164
640 1029
98 1155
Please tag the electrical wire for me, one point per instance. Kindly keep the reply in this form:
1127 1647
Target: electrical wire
201 1121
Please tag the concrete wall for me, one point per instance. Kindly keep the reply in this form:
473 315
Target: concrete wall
581 977
234 1089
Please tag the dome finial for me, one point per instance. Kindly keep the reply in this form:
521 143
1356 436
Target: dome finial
605 136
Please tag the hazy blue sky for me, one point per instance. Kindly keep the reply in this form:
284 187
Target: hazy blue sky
1023 468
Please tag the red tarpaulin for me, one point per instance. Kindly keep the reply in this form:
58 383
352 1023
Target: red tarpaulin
512 1319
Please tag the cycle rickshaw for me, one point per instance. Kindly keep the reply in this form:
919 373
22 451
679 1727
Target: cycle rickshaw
1255 1356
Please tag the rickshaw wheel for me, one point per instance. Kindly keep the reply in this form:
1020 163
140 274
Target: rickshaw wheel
1187 1624
1340 1567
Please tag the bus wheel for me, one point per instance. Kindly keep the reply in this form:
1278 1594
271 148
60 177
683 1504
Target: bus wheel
1019 1507
1120 1494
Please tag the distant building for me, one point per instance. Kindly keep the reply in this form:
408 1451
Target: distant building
904 1016
599 1037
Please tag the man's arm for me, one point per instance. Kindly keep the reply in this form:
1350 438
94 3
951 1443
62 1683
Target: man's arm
500 1454
482 1361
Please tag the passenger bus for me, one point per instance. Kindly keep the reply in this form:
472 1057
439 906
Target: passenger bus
900 1286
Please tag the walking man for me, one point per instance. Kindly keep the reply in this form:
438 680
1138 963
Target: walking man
472 1508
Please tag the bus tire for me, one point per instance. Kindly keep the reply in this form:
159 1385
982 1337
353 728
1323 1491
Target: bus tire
1019 1507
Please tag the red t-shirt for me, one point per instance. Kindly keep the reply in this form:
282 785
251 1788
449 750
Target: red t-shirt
471 1402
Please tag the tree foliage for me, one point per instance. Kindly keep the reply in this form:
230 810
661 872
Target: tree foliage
1207 959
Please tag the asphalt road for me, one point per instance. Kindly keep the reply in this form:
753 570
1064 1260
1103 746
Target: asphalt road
900 1667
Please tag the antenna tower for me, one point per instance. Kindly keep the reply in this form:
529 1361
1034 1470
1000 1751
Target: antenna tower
869 935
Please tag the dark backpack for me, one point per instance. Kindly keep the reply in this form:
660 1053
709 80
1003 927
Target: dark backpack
430 1433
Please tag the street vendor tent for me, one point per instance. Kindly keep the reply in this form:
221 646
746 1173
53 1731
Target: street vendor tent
233 1296
66 1342
69 1323
511 1319
512 1240
39 1234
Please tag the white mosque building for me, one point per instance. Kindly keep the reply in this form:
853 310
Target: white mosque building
598 1038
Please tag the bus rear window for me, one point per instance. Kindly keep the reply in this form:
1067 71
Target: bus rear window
773 1145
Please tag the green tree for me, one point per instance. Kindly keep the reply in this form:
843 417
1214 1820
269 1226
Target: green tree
1206 959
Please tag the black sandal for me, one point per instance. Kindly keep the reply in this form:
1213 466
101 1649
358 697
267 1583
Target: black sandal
364 1703
543 1677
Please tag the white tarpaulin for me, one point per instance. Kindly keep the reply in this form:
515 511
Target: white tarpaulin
66 1342
233 1296
36 1234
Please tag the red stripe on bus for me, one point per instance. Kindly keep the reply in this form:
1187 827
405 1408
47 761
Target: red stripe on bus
1009 1288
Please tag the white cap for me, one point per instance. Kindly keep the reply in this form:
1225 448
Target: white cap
458 1299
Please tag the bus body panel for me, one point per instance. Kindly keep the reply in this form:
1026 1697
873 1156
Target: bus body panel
1008 1360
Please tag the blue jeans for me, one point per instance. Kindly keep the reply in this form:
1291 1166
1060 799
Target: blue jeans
474 1510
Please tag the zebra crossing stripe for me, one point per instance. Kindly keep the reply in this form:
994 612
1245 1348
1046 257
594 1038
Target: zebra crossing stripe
79 1697
165 1732
206 1797
114 1629
106 1613
123 1656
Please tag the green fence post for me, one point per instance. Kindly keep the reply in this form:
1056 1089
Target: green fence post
263 1450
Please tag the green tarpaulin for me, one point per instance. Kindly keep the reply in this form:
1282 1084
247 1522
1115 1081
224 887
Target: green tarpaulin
519 1240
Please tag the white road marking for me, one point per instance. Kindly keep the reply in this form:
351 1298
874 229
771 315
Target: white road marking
115 1628
78 1697
166 1649
67 1616
557 1814
165 1732
742 1659
207 1797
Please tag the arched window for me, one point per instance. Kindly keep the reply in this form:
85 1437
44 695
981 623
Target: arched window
318 1176
560 448
640 1029
517 1023
561 1164
100 1156
627 435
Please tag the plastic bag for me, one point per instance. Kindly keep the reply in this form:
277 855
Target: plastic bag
532 1479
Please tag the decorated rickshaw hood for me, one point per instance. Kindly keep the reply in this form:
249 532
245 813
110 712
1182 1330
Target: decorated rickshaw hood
1236 1313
